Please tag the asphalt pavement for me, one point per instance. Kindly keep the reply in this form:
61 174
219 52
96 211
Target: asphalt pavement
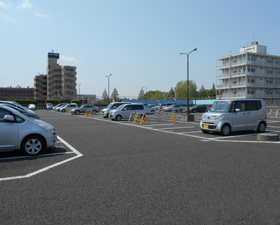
106 172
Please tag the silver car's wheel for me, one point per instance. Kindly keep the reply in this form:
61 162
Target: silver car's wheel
118 118
33 145
77 112
261 127
225 130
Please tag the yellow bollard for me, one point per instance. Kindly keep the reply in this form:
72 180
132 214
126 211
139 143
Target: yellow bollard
173 119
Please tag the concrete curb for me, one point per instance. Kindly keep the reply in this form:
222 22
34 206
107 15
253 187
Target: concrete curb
268 137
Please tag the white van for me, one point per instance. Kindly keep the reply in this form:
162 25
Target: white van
226 116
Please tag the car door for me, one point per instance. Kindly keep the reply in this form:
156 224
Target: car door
126 111
253 113
239 116
8 132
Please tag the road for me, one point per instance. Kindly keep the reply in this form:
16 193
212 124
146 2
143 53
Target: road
156 173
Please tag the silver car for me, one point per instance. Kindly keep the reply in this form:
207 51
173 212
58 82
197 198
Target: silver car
125 111
24 110
19 132
84 108
105 112
226 116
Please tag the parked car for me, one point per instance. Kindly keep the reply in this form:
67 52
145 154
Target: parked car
175 108
226 116
198 108
49 106
68 106
19 132
32 106
25 111
149 109
57 107
124 111
111 106
84 108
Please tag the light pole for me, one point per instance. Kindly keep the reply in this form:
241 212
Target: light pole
79 91
108 87
188 82
146 94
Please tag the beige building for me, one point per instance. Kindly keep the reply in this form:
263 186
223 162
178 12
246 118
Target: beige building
252 73
61 80
40 86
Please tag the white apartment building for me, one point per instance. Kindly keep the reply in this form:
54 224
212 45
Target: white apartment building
252 73
61 80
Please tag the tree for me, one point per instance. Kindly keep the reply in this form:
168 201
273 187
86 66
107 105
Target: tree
115 95
105 95
141 94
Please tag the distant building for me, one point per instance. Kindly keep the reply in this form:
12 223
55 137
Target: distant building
61 80
89 98
40 85
10 93
252 73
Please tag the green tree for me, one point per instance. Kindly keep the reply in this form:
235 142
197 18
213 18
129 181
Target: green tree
105 95
141 95
115 95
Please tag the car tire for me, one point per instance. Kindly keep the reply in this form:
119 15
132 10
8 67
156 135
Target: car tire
261 127
63 110
33 145
225 131
194 111
118 118
77 112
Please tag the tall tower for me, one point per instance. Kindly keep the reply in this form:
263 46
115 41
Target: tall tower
54 78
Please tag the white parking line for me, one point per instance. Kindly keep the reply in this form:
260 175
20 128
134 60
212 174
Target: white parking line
167 128
188 134
78 154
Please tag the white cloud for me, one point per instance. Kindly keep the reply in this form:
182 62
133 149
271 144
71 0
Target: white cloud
8 18
2 4
40 15
69 59
25 4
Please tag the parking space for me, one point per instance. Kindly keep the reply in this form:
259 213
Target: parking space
163 123
16 165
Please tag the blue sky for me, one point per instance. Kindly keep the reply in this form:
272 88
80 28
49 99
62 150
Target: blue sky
137 41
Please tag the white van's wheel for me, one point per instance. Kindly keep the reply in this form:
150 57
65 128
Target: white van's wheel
225 130
261 127
118 118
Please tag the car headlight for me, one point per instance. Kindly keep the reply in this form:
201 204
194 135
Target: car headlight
219 118
46 127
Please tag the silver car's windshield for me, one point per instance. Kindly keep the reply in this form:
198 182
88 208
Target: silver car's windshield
109 106
121 107
220 106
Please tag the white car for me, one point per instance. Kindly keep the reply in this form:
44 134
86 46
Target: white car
32 106
19 132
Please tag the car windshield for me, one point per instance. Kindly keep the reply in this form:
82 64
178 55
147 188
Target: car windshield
109 106
220 106
121 107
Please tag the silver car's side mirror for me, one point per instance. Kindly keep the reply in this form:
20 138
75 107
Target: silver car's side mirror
9 118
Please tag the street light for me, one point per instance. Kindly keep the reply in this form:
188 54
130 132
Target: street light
108 86
188 82
79 91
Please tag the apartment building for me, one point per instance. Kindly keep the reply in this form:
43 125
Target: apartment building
252 73
10 93
40 86
61 80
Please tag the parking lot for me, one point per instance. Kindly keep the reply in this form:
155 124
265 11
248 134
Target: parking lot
160 172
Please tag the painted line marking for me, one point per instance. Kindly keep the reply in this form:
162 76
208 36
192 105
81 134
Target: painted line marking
169 128
186 134
78 155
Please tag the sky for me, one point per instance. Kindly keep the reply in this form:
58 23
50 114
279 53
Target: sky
137 41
